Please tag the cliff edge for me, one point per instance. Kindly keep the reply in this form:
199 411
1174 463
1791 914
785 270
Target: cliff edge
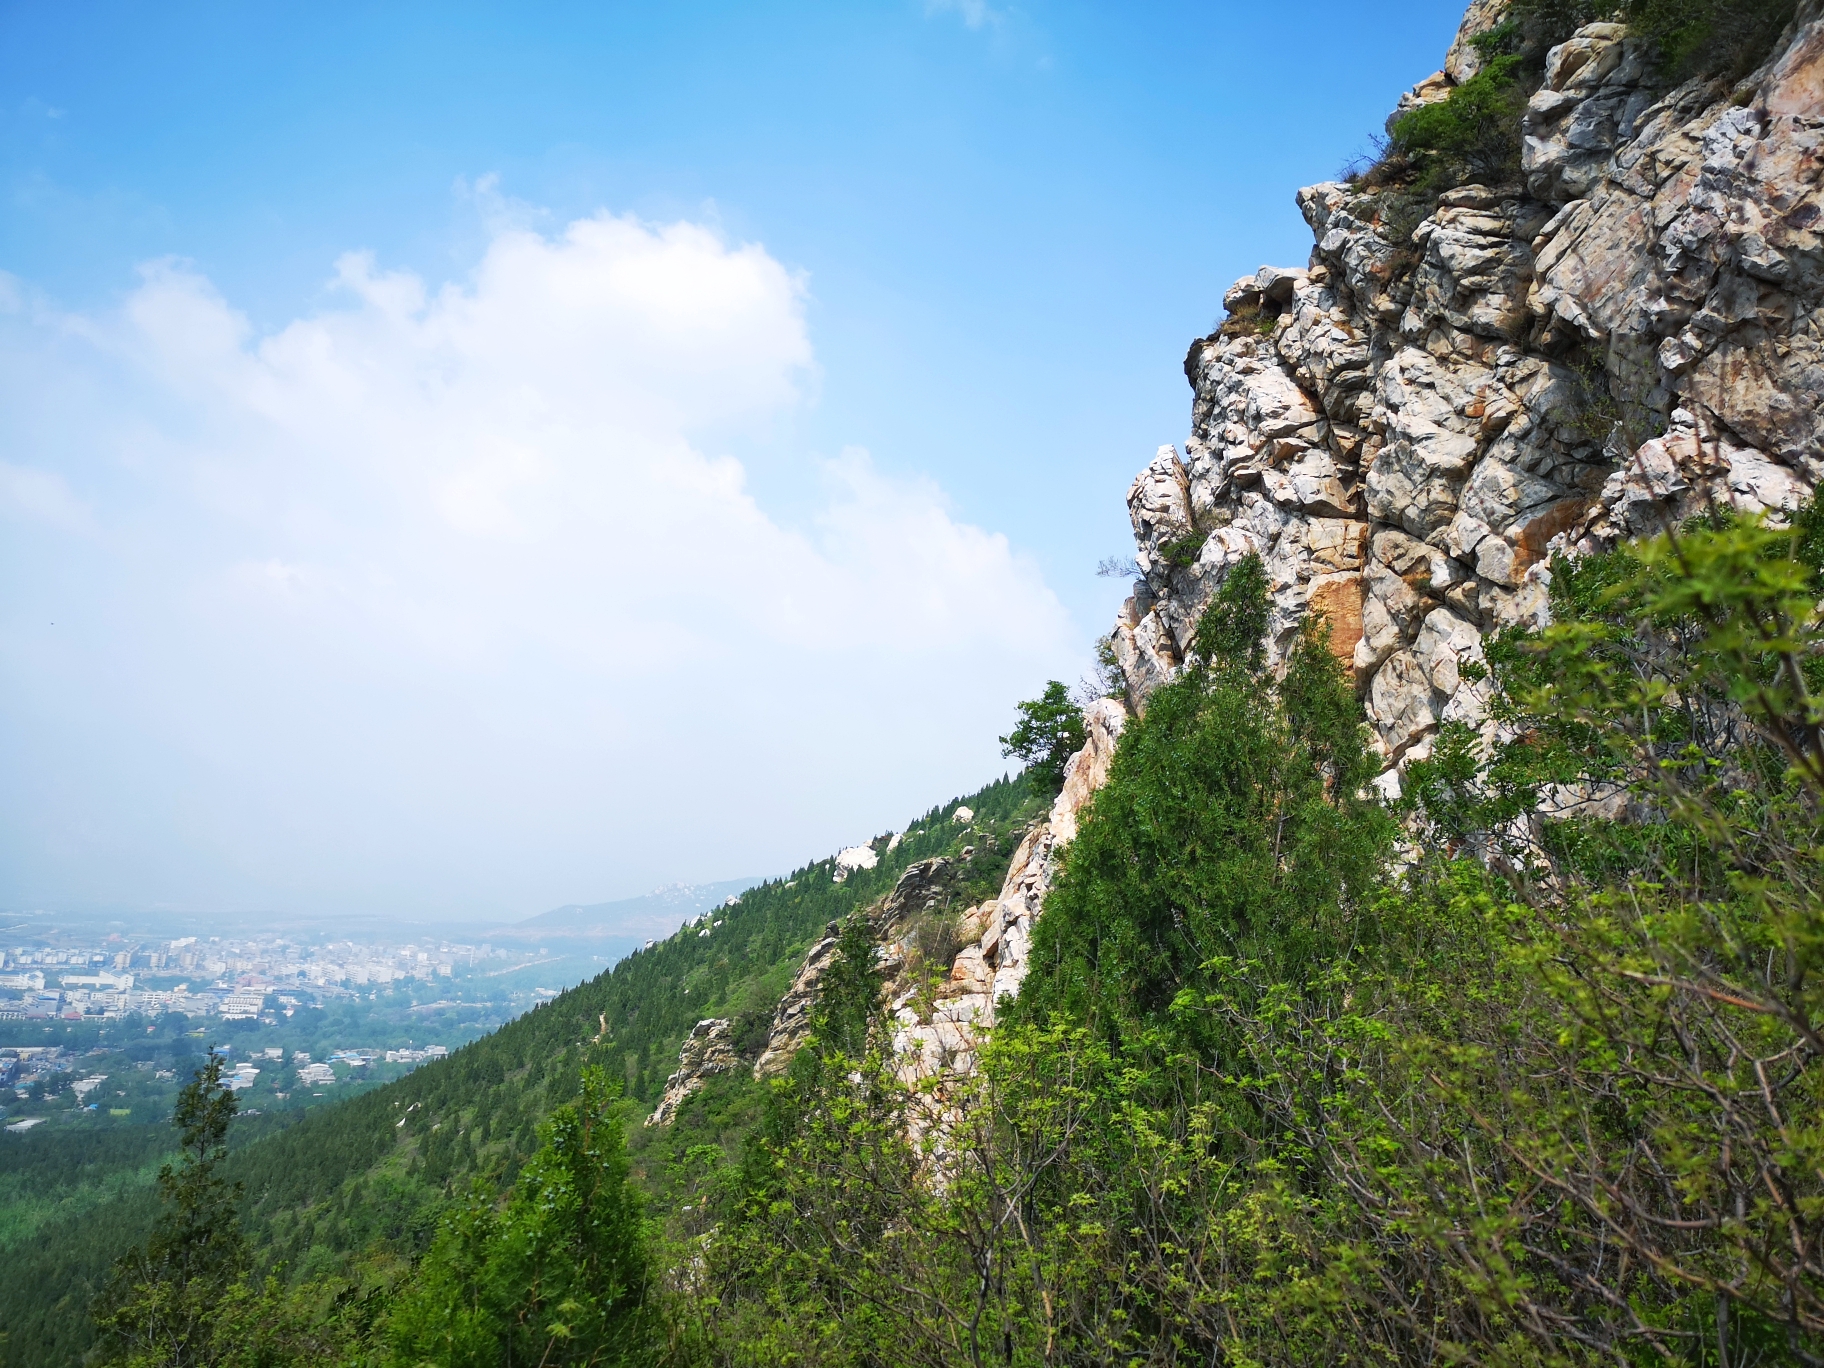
1407 427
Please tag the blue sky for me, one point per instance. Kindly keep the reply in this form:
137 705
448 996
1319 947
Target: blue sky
953 255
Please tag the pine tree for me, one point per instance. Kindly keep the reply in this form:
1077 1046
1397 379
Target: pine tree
158 1308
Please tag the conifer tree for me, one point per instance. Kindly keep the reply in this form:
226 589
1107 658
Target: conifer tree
158 1308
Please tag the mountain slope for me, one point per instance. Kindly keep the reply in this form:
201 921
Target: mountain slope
370 1176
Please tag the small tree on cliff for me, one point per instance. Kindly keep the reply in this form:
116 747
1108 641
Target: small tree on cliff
1050 731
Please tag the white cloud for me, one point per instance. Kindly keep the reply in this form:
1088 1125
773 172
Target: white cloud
446 591
41 495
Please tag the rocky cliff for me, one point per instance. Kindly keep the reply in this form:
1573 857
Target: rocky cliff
939 1035
1408 426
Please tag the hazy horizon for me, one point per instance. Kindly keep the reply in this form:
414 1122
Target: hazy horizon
461 461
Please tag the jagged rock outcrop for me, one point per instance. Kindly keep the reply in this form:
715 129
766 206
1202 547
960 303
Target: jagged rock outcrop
941 1037
792 1018
707 1052
1408 426
922 885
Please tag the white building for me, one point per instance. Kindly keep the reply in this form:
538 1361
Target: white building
243 1004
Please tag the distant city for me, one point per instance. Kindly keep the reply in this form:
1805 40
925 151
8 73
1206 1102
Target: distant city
264 978
101 1022
98 1027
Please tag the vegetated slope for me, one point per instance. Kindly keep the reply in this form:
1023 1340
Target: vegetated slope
1545 1087
79 1171
370 1177
75 1199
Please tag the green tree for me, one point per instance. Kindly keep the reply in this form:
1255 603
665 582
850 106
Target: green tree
1050 731
1658 801
160 1305
559 1277
1235 822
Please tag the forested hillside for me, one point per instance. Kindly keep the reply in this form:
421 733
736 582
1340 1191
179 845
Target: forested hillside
370 1177
1412 959
1523 1070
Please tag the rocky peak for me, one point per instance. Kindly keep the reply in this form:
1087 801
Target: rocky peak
1408 426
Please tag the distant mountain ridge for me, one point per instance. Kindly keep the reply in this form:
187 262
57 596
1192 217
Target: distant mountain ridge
657 913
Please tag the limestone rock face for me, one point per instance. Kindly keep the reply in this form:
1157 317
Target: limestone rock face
707 1051
921 887
792 1018
935 1045
1407 427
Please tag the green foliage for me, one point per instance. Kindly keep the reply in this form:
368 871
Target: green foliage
160 1307
1473 135
1681 672
1689 37
1233 629
1111 679
1232 825
1180 553
1657 794
1250 318
559 1277
1050 731
1254 1106
46 1176
1231 832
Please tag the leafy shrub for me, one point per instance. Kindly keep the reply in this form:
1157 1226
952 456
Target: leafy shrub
1181 553
1701 37
1690 37
1232 632
1471 136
